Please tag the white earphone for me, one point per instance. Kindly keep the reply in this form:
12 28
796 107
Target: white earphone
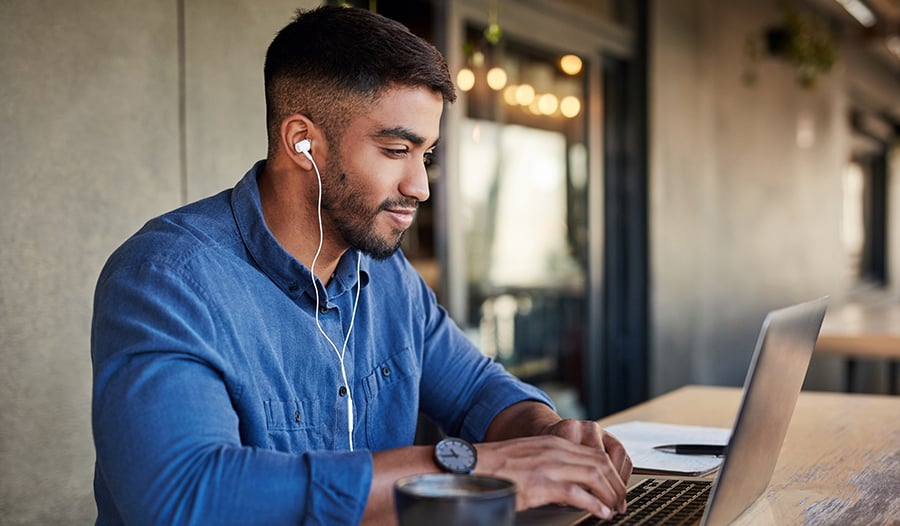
303 147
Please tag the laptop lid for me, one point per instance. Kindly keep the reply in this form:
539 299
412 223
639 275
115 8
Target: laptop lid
774 379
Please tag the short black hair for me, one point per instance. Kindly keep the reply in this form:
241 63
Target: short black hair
330 62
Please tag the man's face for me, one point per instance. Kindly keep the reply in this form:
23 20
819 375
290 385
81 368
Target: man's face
374 183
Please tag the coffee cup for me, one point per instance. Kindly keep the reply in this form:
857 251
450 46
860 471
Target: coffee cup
455 500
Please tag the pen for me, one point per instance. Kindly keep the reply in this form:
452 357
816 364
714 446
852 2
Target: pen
693 449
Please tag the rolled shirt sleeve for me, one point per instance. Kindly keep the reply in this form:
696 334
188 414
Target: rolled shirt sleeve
462 388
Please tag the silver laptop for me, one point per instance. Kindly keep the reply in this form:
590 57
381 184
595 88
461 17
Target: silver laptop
774 379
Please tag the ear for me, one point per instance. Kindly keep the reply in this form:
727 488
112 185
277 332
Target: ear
294 129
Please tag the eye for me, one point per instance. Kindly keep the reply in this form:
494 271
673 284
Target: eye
428 159
397 153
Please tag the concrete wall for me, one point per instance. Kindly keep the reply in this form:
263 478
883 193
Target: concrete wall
95 141
745 204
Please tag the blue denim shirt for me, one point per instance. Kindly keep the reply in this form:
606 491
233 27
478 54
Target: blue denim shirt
216 400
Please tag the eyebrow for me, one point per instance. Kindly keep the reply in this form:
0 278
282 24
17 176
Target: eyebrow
400 132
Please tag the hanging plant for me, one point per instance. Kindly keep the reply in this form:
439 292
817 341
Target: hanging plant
801 39
494 32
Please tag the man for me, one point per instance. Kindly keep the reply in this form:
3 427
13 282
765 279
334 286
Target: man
260 356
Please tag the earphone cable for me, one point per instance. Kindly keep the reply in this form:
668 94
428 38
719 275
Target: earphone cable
312 272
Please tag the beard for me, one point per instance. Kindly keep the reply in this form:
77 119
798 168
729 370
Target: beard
354 219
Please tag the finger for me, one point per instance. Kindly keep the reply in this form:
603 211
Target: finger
616 451
627 468
620 459
592 434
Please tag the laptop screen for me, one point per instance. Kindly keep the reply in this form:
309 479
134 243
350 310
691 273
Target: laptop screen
773 383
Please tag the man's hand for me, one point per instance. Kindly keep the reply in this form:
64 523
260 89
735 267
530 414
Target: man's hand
550 469
563 461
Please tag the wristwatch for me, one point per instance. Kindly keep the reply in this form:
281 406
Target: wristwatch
455 455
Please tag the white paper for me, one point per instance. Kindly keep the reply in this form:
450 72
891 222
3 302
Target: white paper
639 439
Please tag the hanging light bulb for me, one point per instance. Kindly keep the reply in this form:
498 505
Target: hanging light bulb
570 106
477 59
547 104
524 94
465 79
570 64
509 95
496 78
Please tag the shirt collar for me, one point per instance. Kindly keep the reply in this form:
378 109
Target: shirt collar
271 258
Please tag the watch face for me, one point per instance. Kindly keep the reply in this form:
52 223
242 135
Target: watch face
455 455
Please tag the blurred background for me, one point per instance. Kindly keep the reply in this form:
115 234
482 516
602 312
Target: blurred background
623 189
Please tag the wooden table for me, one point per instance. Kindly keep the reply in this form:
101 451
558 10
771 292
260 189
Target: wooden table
863 331
840 463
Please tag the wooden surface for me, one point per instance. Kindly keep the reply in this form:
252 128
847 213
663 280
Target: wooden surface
840 463
862 330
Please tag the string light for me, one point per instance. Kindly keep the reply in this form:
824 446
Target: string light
570 106
547 103
570 64
465 79
496 78
509 95
524 95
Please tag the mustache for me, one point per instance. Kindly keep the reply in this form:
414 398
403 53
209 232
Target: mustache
399 203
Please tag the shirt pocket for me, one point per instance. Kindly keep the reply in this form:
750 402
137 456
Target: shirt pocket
294 425
392 401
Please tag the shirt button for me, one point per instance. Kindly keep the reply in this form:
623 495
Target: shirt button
323 310
342 391
385 371
296 416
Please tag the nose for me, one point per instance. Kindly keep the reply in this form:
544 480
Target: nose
415 181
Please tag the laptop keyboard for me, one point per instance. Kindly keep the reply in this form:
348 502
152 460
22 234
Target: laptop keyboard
663 501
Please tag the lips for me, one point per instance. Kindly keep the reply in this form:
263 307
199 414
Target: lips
401 217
